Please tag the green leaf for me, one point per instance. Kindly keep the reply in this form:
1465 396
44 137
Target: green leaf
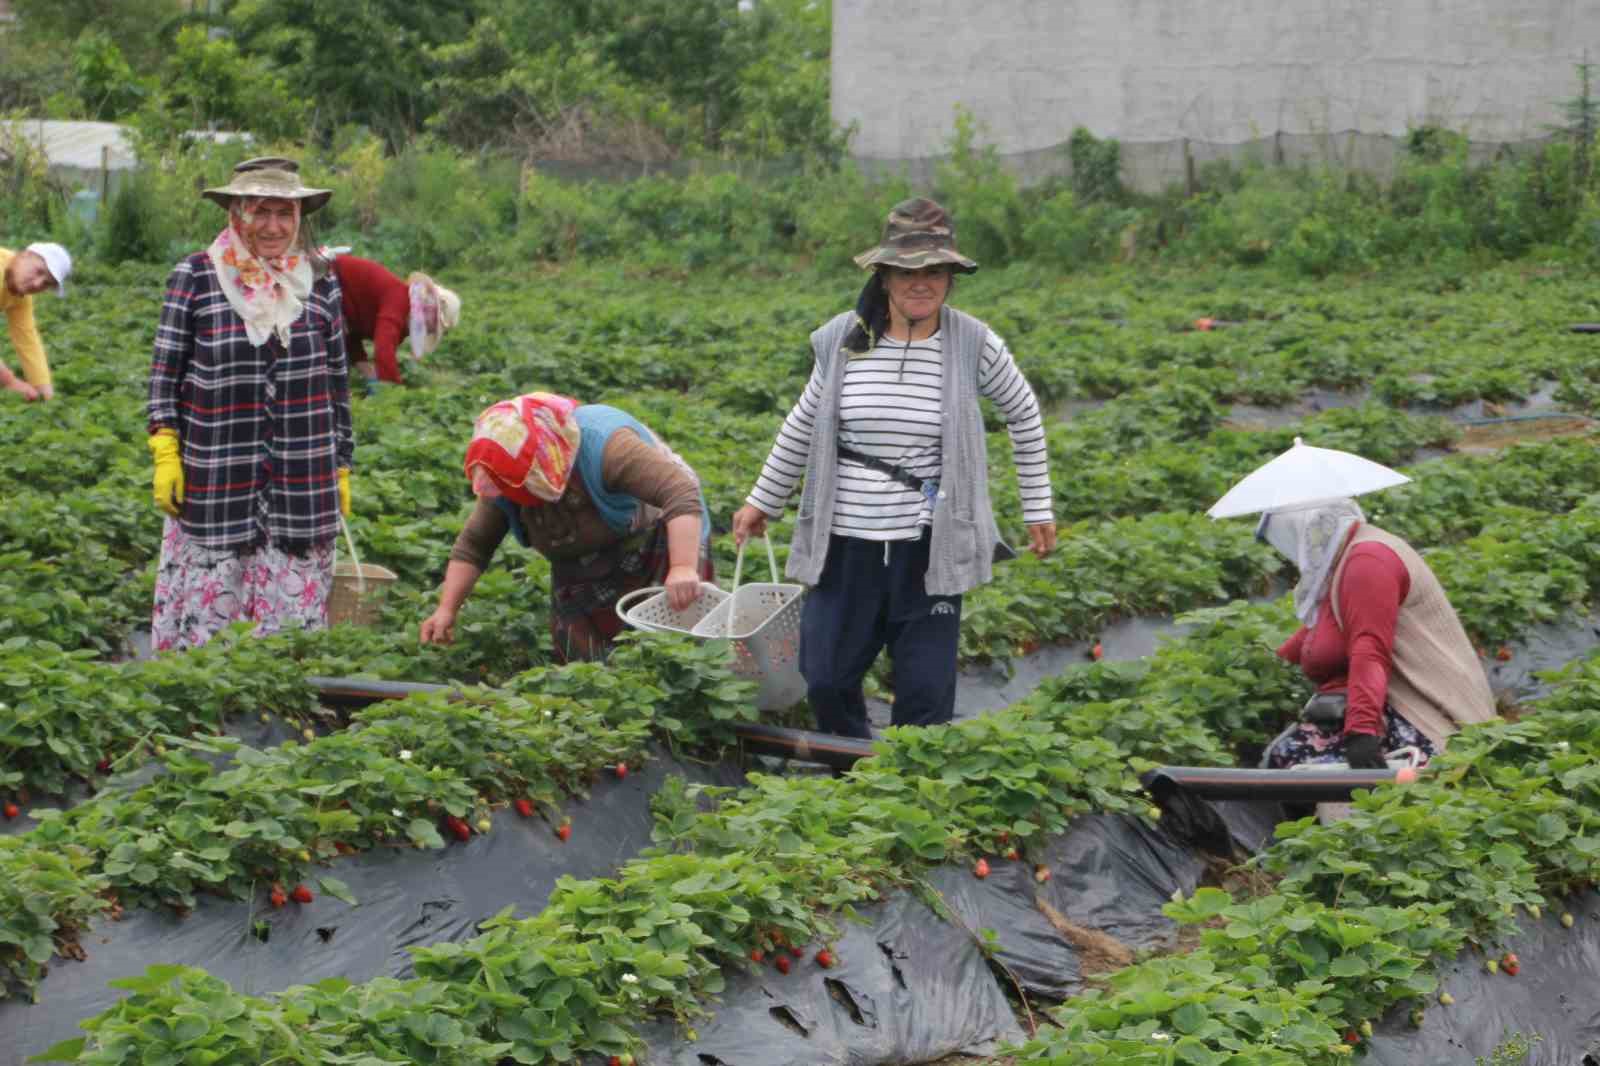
337 889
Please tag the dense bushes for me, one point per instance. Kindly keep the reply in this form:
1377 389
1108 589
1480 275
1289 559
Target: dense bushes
435 205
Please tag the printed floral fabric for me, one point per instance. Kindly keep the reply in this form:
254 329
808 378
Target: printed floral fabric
526 446
268 294
584 591
200 590
1305 743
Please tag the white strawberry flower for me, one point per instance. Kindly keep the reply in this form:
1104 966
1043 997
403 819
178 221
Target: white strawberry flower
405 756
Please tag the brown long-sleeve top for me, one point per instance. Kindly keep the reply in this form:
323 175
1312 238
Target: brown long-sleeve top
572 527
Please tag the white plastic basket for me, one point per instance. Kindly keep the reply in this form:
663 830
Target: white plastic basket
762 620
648 609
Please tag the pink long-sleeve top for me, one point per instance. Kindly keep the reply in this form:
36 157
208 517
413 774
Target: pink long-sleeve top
1356 658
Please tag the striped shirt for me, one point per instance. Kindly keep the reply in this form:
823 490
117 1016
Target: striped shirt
890 408
262 431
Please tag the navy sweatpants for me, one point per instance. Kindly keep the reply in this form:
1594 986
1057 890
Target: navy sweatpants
863 603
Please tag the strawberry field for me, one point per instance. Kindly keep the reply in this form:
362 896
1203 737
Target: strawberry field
214 783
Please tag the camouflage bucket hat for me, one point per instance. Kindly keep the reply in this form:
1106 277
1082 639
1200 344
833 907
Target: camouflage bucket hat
918 233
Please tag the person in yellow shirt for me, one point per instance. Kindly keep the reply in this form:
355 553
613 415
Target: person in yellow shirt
26 274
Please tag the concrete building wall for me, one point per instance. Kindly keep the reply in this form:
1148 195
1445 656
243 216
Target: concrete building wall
1215 73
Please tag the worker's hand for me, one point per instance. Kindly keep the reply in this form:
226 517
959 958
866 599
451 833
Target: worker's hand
47 392
21 388
683 586
439 627
1364 751
344 491
748 521
167 485
1042 538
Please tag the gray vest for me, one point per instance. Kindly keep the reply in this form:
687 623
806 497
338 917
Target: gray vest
964 531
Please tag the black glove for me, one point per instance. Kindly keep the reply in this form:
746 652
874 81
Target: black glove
1364 751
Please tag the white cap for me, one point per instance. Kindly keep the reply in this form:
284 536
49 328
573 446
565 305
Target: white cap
56 260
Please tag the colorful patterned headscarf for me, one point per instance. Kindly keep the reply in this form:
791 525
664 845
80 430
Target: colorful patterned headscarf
268 294
524 449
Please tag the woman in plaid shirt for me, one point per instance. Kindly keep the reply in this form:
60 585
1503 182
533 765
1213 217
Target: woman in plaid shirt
250 419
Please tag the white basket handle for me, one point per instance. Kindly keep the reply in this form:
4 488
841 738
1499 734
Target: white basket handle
361 577
626 601
738 567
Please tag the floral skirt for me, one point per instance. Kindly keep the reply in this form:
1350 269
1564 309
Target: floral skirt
201 590
584 591
1305 743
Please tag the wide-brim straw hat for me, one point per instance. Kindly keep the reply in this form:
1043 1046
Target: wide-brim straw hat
269 177
918 233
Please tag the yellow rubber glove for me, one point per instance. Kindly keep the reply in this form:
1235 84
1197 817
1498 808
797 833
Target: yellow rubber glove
168 484
344 491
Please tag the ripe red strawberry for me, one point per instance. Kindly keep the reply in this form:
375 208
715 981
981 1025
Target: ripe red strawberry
783 964
103 765
1504 654
1098 651
798 952
1205 325
981 870
1013 854
1352 1038
301 894
622 770
524 807
1510 964
756 954
564 831
778 938
1004 837
458 828
11 810
277 896
825 959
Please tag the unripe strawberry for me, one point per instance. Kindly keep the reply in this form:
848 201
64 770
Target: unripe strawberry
1041 873
1416 1017
1013 854
1536 912
1445 999
1567 919
1366 1028
1492 965
484 825
309 733
303 855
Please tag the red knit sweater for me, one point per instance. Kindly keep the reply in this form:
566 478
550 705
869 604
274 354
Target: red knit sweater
377 307
1357 658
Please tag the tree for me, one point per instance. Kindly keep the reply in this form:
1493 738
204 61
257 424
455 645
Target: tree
360 62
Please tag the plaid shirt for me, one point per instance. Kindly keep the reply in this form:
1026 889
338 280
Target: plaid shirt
263 432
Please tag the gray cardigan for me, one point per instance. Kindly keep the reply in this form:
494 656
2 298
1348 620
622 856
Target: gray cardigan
965 536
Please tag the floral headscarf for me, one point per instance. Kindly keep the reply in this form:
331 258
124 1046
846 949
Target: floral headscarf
435 310
1312 538
524 449
269 294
